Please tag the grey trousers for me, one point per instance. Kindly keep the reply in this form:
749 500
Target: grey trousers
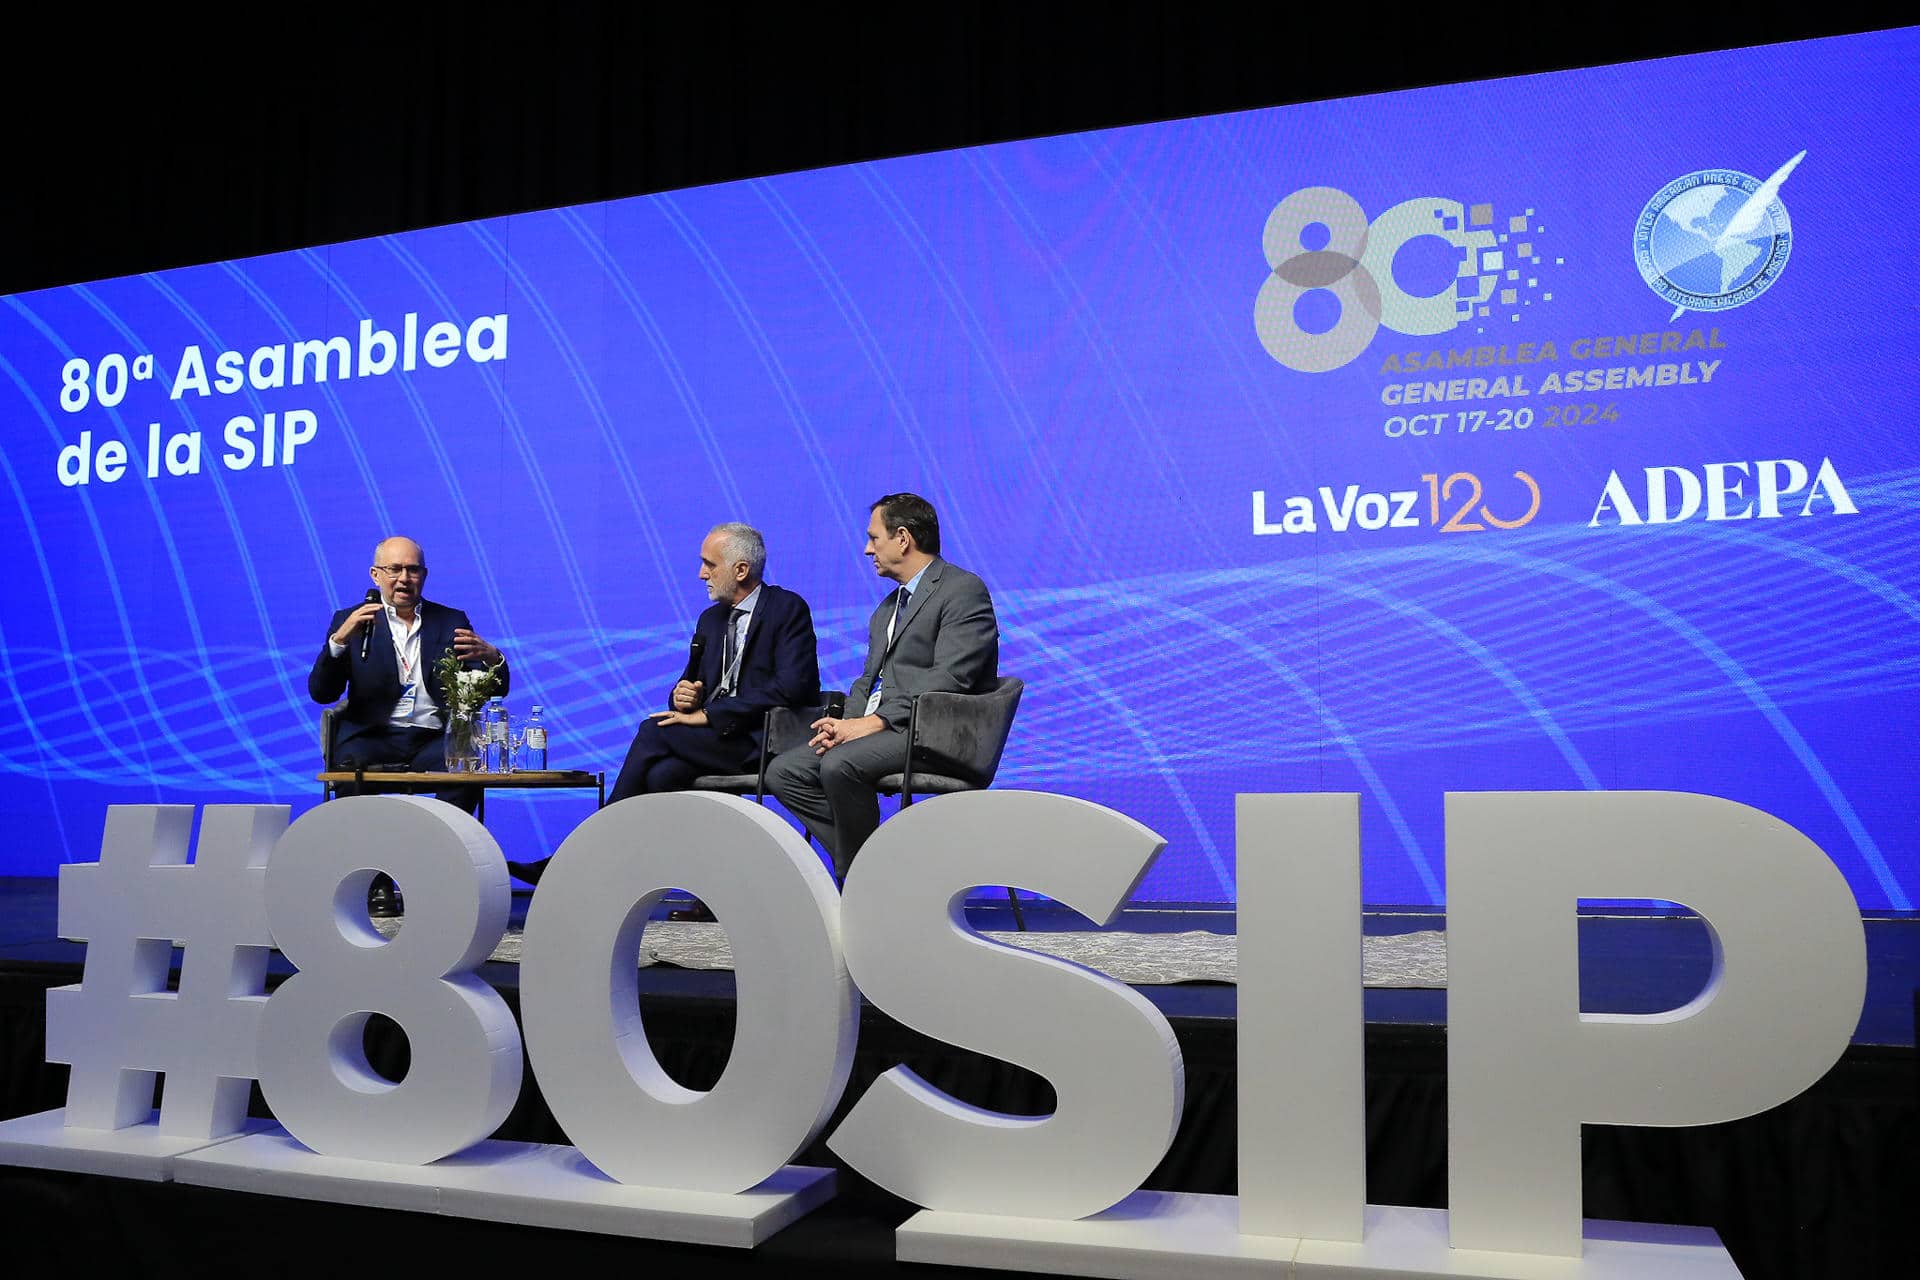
833 794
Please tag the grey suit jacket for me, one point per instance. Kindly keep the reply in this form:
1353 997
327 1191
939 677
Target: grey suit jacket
947 638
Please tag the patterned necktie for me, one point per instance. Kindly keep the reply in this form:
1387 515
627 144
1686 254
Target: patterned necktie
729 652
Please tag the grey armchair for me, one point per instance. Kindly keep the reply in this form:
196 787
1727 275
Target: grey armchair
965 732
329 721
785 729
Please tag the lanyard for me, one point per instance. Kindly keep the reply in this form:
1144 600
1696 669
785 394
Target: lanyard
405 639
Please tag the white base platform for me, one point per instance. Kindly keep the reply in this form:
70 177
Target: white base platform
531 1184
1411 1244
1153 1235
140 1151
1149 1235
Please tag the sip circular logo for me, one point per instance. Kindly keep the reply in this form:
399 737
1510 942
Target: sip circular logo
1715 239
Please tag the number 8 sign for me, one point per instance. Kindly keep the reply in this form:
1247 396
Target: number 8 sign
1354 262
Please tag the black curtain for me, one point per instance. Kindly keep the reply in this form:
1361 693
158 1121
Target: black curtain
138 139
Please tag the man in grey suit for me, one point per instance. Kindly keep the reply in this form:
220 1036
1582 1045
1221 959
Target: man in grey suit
936 631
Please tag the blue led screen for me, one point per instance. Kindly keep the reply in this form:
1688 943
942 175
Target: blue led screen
1534 434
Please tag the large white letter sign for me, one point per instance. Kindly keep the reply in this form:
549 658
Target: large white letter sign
120 1024
1303 1123
1109 1054
465 1067
1052 1193
794 1036
1525 1068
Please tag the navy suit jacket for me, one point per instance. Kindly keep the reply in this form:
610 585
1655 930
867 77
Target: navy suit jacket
779 664
372 685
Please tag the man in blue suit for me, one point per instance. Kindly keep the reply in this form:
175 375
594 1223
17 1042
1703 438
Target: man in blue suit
381 654
757 652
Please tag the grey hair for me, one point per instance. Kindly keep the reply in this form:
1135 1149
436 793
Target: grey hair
743 545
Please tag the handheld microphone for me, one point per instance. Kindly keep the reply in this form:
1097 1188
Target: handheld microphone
836 706
695 648
366 628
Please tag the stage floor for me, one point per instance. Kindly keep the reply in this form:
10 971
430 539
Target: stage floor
1630 961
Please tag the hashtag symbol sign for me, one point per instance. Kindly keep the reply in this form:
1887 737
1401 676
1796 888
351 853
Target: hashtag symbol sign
120 1025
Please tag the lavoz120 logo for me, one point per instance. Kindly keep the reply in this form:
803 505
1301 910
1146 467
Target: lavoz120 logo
1455 504
1319 240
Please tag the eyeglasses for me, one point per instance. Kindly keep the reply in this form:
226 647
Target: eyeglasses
403 570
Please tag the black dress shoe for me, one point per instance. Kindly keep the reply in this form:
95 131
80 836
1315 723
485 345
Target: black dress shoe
383 902
528 871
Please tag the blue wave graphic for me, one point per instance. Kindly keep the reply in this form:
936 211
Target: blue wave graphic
1376 659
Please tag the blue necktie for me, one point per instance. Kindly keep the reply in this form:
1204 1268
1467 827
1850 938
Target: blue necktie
879 677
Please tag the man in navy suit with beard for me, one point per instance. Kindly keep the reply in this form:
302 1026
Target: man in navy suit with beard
758 652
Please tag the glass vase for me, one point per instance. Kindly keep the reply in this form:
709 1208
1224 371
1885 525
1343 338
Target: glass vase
463 744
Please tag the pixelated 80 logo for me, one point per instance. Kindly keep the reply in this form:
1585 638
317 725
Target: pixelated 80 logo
1423 267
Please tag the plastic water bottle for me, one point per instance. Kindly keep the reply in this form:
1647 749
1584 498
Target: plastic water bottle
492 743
533 754
503 736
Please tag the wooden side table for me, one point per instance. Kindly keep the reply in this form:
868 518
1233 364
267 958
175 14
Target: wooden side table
336 781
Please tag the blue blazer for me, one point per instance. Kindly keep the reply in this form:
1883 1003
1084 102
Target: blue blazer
372 685
779 664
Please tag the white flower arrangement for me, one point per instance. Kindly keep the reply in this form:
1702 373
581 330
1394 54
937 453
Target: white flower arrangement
467 689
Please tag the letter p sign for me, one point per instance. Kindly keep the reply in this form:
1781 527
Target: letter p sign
1526 1068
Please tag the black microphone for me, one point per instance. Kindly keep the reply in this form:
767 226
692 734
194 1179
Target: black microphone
836 706
695 647
366 628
